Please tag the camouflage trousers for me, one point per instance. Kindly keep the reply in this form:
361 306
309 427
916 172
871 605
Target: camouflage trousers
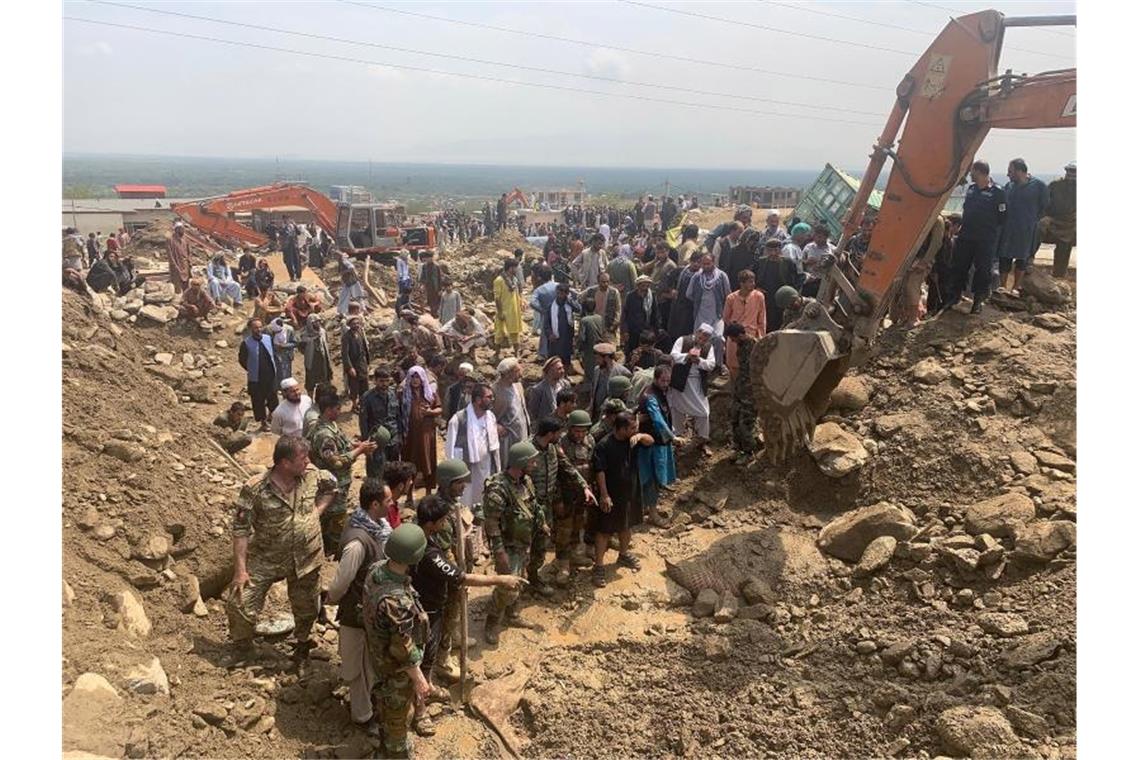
523 561
449 639
569 520
396 700
235 441
242 609
743 415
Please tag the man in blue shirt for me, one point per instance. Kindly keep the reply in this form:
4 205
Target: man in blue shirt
1028 197
983 214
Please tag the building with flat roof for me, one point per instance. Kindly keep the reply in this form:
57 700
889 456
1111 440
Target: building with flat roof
140 191
764 197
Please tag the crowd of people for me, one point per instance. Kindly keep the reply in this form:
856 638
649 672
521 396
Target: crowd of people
632 334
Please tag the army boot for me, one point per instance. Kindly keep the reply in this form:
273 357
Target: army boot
514 620
539 586
301 651
582 557
447 668
562 576
491 628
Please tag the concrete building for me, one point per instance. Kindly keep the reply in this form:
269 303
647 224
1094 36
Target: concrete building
764 197
108 215
561 197
141 191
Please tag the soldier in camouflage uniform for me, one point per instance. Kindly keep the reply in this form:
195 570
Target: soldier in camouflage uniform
610 409
557 486
578 446
516 525
452 477
333 451
395 625
743 414
277 536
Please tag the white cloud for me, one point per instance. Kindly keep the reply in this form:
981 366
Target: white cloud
607 63
96 48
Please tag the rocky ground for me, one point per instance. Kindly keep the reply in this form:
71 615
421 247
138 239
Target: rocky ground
907 588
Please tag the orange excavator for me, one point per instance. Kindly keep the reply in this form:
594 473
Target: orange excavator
359 228
945 106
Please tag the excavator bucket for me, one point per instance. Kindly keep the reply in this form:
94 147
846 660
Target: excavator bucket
794 372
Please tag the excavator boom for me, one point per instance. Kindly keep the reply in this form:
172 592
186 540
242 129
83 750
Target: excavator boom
945 106
212 215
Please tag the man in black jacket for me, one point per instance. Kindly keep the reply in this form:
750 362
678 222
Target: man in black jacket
354 356
380 407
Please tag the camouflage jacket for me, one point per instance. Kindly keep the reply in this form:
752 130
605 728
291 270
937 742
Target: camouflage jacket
512 512
553 476
445 535
395 624
285 529
579 454
742 384
331 449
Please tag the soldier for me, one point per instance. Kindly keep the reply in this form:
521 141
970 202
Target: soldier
453 476
578 446
234 428
611 409
743 414
333 451
516 525
556 483
395 626
281 510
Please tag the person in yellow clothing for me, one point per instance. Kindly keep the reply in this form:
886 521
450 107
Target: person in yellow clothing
508 308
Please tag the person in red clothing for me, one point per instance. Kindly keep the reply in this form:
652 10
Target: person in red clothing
400 477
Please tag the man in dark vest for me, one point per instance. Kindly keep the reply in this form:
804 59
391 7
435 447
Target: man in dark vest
693 359
361 544
255 355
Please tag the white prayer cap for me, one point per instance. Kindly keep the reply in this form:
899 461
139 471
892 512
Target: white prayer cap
506 365
466 368
288 383
706 328
773 212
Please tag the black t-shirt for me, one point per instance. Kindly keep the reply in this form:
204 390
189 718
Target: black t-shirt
434 577
615 459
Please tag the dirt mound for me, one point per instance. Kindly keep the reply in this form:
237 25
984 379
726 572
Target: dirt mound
474 266
150 241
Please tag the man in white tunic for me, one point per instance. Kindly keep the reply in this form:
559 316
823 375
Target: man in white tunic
510 404
590 262
473 436
693 359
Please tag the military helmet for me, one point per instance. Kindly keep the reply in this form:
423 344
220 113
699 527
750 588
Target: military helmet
613 406
451 470
785 295
407 544
521 453
381 435
579 418
619 386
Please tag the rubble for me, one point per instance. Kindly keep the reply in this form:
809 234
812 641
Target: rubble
837 452
847 536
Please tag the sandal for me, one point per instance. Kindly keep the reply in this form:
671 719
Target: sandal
598 576
423 726
438 694
630 561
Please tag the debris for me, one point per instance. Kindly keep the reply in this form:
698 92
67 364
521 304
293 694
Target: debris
848 535
836 451
1000 515
929 372
706 603
877 554
968 730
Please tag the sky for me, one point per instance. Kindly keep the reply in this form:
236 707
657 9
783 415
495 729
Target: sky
140 92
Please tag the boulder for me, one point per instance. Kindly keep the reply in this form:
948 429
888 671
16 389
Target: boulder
152 547
877 554
190 593
1032 649
200 391
211 712
890 425
1027 723
148 679
1000 515
837 452
164 358
157 314
104 532
1039 285
848 535
132 616
1041 541
95 686
88 722
971 730
1051 322
1023 462
727 609
757 591
851 395
1003 624
929 372
706 603
88 519
1056 461
125 451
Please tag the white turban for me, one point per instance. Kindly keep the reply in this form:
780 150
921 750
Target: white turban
507 365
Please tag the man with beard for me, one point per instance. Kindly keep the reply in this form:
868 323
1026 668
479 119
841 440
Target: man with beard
256 357
288 417
380 408
333 451
355 357
473 438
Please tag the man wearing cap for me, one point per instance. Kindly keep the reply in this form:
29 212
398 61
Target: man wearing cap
578 446
354 355
1059 225
774 272
178 257
510 404
542 397
693 360
334 452
453 477
220 280
277 536
607 369
380 408
361 544
395 625
288 418
196 302
232 424
610 409
473 438
816 253
514 523
430 279
622 270
639 314
793 250
255 355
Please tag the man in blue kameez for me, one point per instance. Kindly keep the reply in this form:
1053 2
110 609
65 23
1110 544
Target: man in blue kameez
1027 198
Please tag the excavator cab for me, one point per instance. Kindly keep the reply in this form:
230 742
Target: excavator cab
368 225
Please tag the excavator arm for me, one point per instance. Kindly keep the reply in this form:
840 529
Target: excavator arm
945 106
212 215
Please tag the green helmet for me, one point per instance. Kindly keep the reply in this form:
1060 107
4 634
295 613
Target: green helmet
613 406
785 295
381 436
450 470
579 418
619 386
521 453
407 544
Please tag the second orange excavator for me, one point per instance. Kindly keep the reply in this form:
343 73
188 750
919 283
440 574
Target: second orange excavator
359 228
944 106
